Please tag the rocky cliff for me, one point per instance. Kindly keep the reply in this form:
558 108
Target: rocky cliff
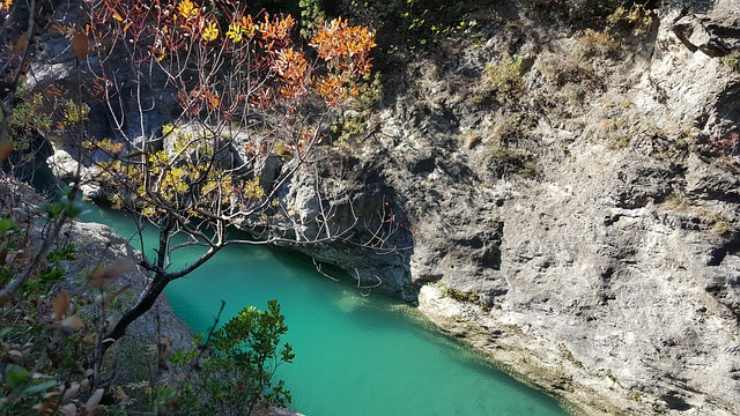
580 223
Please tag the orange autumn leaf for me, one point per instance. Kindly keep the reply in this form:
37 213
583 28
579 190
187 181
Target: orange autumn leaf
80 45
290 65
5 150
331 89
339 40
20 45
59 305
276 31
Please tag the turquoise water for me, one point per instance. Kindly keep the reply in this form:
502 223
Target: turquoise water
355 355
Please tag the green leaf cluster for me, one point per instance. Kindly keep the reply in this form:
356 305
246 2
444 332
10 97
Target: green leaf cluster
236 366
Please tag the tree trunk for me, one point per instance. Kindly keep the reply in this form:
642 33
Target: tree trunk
145 303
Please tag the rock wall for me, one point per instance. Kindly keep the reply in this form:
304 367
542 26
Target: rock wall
585 235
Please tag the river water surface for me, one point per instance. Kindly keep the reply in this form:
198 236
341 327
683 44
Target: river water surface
355 355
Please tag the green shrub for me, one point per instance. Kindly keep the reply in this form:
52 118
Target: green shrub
504 78
354 122
312 16
592 43
636 18
459 295
234 369
732 61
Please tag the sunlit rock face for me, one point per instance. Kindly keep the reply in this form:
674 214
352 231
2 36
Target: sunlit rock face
607 271
585 232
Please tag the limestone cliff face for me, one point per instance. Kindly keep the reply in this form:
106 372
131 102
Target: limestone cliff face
587 233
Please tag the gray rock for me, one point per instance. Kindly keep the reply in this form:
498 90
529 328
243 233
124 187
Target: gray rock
610 277
608 270
716 35
65 167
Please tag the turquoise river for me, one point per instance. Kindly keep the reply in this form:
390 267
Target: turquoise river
355 355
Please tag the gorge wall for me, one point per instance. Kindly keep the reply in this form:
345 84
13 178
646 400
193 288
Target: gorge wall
584 234
565 201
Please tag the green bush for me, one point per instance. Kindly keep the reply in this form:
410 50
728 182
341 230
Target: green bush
312 16
232 374
504 78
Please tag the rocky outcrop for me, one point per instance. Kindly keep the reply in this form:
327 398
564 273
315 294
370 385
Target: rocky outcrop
586 237
66 168
716 34
96 245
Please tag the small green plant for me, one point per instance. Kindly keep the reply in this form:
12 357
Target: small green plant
354 122
312 17
234 368
504 78
732 61
29 117
459 295
592 43
614 131
75 114
636 18
505 161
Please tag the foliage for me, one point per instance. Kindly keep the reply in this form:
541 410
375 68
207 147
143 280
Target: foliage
312 17
585 11
592 43
412 25
568 80
272 76
236 366
5 6
504 78
47 347
247 90
354 122
636 18
459 295
505 161
732 61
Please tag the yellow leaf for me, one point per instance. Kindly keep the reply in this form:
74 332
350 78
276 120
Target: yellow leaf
210 33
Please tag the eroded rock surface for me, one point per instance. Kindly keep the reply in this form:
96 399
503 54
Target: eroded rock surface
593 248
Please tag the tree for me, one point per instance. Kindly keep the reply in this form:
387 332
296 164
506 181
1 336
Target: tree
251 106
